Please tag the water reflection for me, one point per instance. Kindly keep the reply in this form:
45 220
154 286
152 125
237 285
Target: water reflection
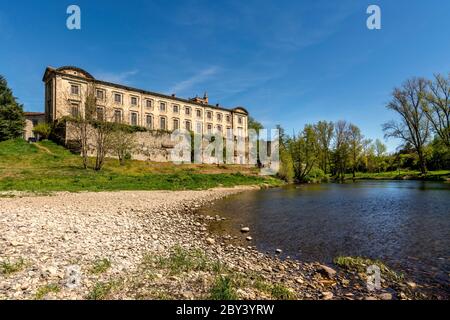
405 223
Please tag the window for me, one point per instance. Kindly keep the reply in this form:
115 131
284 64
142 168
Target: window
188 126
199 113
118 98
175 109
199 127
176 124
209 128
118 116
219 128
229 133
228 118
134 119
35 122
75 89
219 117
240 132
149 121
134 101
100 114
100 95
209 115
75 110
187 111
149 103
240 120
162 106
162 123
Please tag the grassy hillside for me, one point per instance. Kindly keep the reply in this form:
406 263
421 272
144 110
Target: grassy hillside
46 166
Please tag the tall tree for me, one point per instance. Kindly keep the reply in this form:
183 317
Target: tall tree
355 139
325 133
437 107
341 152
414 125
303 151
12 120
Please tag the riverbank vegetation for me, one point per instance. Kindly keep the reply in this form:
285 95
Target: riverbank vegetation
46 166
339 150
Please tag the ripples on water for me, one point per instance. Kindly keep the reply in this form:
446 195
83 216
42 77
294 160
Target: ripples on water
404 223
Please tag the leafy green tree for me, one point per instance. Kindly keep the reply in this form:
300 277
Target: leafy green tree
12 119
325 134
303 151
355 139
43 130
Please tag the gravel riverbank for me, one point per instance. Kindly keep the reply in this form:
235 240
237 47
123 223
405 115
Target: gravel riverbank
150 245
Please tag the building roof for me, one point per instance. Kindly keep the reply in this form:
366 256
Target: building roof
34 113
87 75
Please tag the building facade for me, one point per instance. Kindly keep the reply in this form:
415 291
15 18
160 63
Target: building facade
67 88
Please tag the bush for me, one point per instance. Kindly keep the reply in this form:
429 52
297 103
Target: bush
43 130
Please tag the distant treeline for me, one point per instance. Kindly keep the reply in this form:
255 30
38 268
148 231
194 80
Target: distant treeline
338 148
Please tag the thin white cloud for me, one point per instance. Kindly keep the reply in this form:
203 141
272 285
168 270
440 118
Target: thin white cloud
200 77
119 77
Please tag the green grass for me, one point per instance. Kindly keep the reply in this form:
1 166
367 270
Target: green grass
7 267
223 289
440 175
43 291
101 290
182 260
26 167
100 266
359 264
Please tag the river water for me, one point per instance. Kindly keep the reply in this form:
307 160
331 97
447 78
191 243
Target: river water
406 224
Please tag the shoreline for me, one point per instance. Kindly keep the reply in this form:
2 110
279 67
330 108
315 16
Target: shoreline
152 245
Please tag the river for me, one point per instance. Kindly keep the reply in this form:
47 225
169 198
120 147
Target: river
406 224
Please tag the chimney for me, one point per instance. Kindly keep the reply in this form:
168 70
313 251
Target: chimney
173 95
205 97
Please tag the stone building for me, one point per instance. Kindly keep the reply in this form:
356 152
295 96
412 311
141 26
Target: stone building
32 119
66 89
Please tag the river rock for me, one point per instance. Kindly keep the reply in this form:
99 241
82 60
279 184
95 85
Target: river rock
249 238
278 251
327 295
245 229
327 271
210 240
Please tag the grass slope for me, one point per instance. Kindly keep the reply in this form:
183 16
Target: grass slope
47 167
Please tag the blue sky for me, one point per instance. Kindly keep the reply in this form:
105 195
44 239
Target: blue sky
287 62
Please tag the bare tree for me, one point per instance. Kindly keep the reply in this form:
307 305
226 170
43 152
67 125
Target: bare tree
82 108
437 106
414 126
123 143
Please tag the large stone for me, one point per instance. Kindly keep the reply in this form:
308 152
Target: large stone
327 271
245 229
